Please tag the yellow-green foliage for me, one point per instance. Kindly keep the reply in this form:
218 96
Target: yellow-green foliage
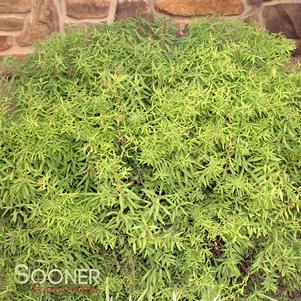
169 164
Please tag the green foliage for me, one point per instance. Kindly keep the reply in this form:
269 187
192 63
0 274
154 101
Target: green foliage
168 163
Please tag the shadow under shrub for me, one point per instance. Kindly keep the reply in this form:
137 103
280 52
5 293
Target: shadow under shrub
167 163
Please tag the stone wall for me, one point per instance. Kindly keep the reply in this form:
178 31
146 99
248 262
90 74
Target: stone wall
23 22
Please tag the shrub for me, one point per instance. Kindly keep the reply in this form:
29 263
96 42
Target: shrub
168 163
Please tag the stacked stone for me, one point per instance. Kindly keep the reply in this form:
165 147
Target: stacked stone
23 22
12 20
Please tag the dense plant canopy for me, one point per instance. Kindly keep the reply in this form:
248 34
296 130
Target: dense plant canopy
168 163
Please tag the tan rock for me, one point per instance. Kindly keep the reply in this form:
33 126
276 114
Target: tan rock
257 2
6 42
254 2
82 9
82 26
200 7
44 21
11 24
253 16
283 18
15 6
130 8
